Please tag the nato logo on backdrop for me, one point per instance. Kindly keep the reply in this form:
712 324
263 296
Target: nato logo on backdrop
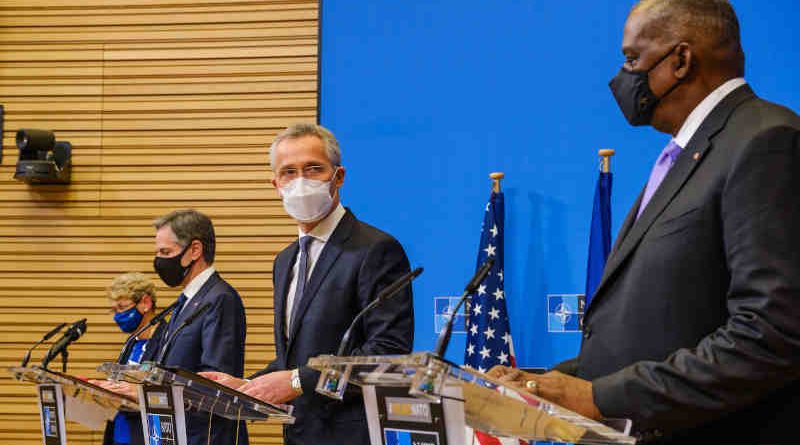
443 308
565 312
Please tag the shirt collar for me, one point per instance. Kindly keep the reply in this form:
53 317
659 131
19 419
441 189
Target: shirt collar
703 109
197 282
325 228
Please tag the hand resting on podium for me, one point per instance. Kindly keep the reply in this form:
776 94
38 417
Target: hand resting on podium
223 379
123 388
569 392
274 387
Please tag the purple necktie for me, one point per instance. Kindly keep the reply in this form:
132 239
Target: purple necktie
659 172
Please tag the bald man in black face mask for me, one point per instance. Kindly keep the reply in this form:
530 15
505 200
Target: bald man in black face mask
694 330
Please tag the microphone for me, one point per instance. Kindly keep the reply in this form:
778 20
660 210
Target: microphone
444 336
60 347
479 276
189 320
153 321
385 294
46 337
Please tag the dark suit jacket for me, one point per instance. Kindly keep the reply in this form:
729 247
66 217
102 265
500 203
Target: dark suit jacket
213 342
694 330
357 262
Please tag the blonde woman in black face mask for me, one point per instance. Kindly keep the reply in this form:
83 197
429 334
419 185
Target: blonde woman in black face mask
132 297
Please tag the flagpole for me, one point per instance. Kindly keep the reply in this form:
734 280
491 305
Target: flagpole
497 177
600 228
606 154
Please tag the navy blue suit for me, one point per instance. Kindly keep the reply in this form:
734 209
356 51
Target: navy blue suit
355 264
213 342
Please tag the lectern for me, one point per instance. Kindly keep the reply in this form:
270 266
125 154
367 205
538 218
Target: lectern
423 399
64 397
167 393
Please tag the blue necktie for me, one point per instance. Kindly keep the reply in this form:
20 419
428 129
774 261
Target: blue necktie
302 275
173 320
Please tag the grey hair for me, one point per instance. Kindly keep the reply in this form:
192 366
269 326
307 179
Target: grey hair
308 129
697 21
189 225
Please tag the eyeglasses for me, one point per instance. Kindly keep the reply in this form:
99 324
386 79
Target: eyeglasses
310 171
118 308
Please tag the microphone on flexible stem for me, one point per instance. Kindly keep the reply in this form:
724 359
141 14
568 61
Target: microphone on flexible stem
189 320
46 337
444 336
385 294
60 347
135 336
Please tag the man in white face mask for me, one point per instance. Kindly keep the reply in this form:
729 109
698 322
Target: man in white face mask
335 269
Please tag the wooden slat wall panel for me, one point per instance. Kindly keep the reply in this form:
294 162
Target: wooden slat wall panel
168 104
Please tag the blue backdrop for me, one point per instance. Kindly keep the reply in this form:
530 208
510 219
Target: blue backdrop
428 97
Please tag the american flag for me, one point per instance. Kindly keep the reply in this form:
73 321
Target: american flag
488 330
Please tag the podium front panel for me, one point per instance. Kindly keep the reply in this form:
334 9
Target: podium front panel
163 420
51 413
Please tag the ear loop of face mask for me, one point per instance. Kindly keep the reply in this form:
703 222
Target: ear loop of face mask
655 65
333 182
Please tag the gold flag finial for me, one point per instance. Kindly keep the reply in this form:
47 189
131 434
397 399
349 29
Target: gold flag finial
606 154
496 177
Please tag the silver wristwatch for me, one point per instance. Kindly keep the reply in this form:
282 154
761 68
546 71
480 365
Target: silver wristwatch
296 385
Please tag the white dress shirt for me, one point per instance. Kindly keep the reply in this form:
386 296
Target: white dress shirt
703 109
197 282
320 235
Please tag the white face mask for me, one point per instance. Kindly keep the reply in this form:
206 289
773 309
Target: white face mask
308 200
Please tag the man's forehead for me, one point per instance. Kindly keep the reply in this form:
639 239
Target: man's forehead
165 234
637 35
301 149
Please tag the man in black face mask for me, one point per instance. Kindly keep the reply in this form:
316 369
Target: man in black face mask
694 332
185 246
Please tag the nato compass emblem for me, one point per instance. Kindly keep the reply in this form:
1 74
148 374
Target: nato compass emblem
565 312
443 310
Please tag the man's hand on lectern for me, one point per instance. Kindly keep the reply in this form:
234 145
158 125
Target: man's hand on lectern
569 392
274 387
223 379
123 388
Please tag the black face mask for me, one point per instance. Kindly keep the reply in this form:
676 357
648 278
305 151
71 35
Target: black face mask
170 269
632 91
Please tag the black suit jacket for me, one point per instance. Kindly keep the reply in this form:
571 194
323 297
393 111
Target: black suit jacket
356 263
694 330
213 342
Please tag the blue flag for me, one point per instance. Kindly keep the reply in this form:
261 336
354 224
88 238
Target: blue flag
488 328
600 234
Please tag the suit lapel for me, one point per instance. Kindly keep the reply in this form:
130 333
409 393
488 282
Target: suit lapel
283 267
198 299
623 232
327 258
686 163
626 225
